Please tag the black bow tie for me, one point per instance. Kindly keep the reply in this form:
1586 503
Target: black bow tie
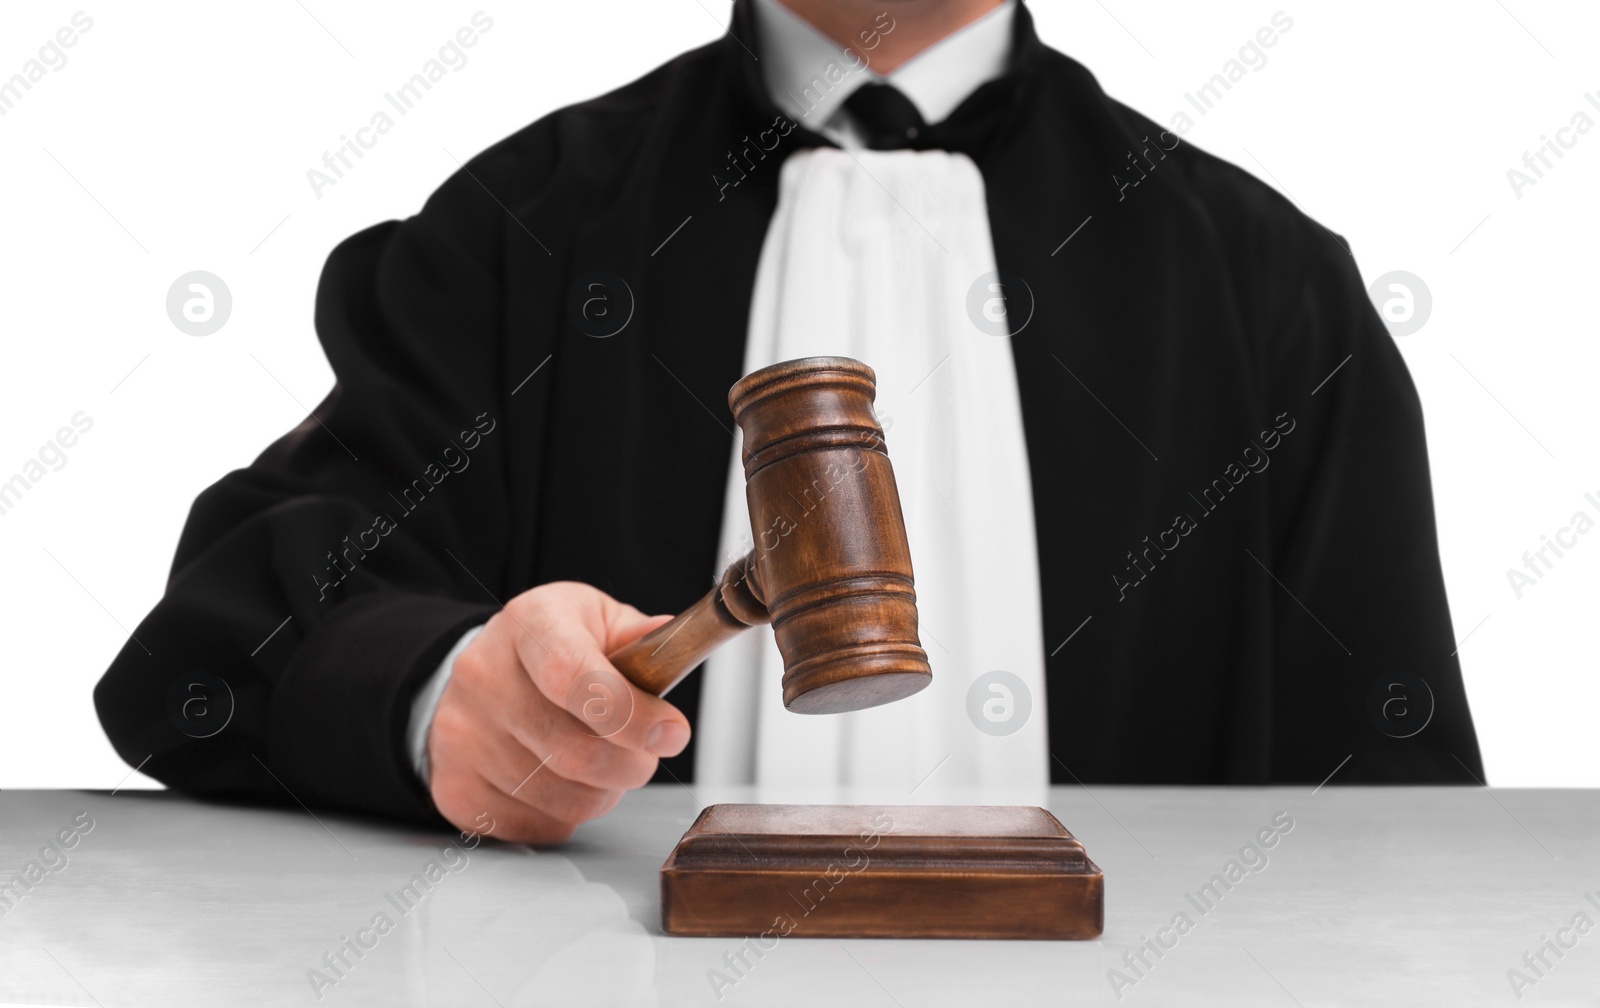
888 119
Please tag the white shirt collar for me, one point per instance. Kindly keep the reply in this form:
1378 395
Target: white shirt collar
809 76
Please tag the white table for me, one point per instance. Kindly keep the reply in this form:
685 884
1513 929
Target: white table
1376 896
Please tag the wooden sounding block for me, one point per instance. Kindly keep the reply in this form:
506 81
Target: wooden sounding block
881 871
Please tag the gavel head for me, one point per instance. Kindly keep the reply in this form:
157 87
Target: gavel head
830 561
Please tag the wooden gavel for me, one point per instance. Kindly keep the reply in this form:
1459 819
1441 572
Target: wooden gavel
830 568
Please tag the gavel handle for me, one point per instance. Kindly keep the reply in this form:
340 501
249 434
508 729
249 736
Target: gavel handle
658 660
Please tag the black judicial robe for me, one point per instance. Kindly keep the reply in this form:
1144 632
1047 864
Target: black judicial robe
1243 623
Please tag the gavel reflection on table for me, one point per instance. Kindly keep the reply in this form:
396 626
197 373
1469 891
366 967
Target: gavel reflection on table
830 569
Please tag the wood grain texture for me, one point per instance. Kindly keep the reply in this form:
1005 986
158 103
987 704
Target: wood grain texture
892 871
657 661
830 568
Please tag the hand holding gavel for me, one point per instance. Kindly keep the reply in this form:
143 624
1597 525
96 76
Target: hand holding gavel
536 729
506 714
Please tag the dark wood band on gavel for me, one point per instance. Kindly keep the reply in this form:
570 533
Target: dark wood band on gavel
830 568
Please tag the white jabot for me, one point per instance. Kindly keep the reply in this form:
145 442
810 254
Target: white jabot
871 254
809 76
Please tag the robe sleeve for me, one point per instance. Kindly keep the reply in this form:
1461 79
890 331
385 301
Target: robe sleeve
313 592
1358 611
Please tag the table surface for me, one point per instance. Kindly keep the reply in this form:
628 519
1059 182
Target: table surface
1393 896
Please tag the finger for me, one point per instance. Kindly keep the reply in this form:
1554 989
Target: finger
528 781
601 703
544 735
460 795
561 799
568 667
493 720
473 804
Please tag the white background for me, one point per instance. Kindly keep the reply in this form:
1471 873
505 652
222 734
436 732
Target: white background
177 137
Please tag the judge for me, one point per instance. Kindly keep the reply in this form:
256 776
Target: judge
1163 471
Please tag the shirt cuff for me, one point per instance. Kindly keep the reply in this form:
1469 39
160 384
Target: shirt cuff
426 701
